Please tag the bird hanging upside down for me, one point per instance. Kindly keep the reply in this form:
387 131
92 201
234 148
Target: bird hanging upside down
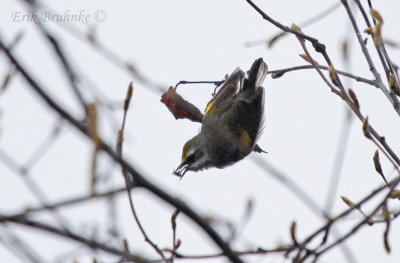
231 123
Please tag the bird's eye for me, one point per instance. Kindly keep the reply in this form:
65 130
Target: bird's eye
194 156
190 158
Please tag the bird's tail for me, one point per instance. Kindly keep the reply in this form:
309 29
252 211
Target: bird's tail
256 74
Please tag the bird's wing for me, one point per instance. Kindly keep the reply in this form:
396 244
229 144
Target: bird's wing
231 87
237 122
246 116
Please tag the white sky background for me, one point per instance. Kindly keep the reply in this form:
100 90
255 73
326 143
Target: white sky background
170 41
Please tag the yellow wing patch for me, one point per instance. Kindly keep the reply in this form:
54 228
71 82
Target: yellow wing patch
245 138
245 141
208 109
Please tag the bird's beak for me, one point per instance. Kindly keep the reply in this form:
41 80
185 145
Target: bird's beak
181 170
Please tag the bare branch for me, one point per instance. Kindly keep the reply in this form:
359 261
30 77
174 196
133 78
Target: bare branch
68 234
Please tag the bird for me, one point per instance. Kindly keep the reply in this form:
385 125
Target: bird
231 125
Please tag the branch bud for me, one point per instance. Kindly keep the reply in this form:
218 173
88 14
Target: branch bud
126 246
298 30
173 219
128 97
369 30
377 29
377 163
395 194
333 76
178 243
353 97
278 74
305 57
366 129
347 201
293 232
394 86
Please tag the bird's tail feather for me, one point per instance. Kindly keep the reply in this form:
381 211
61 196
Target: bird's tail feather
257 73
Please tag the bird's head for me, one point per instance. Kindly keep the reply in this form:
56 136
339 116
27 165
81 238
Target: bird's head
194 156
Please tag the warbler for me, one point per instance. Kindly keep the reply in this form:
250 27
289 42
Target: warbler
231 123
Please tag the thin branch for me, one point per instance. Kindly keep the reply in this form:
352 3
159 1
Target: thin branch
68 234
342 92
365 221
67 202
391 184
294 188
18 246
280 72
379 84
380 46
352 104
323 14
127 178
338 162
175 243
300 193
31 184
387 156
72 77
366 19
279 25
45 146
259 251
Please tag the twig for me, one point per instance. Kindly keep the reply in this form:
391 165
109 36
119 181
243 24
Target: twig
237 229
175 243
303 24
366 19
295 189
92 124
67 202
338 162
342 92
128 180
32 186
9 239
379 84
386 215
68 234
393 184
387 156
281 26
259 251
380 46
44 146
352 102
72 77
279 72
